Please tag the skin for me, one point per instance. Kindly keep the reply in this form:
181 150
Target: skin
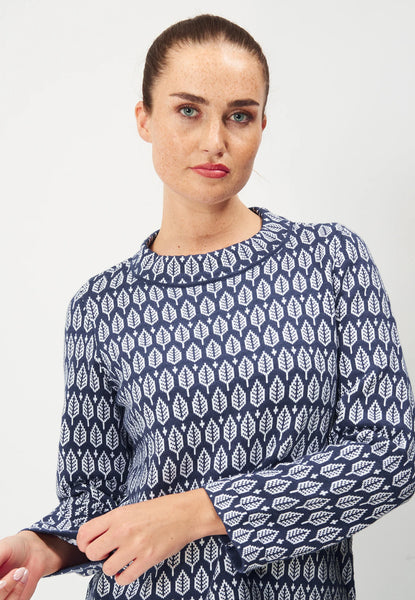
200 214
146 532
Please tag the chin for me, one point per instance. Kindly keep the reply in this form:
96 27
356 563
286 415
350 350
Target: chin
212 198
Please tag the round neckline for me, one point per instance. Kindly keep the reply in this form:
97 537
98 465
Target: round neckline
150 239
191 269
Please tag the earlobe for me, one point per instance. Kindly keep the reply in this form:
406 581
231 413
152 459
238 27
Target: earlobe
143 120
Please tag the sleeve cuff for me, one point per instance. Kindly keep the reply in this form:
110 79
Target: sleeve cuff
86 569
237 524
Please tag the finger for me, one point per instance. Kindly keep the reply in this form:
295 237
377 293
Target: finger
12 586
119 560
91 530
100 548
130 572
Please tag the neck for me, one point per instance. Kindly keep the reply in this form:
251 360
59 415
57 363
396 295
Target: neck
191 228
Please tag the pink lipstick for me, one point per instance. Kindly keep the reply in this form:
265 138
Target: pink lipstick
211 170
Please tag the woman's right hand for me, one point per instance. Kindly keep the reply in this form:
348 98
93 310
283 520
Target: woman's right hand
31 556
22 556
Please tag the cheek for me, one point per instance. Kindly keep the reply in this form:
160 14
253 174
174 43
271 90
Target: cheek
249 149
173 149
169 158
164 150
163 162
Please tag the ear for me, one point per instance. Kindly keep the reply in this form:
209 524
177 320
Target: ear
264 122
143 121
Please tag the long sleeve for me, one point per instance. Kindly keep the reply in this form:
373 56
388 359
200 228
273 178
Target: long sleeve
270 374
312 497
93 448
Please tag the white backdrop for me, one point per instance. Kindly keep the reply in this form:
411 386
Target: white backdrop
78 194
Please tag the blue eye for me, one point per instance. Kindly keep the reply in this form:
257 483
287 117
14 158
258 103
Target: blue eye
240 117
188 111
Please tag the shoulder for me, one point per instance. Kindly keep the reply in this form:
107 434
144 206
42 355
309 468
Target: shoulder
314 232
105 285
331 239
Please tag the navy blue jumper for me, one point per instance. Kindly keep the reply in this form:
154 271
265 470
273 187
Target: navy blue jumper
269 373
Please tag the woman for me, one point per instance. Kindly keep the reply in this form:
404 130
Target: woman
237 404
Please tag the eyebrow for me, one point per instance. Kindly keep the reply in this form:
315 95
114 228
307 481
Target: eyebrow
201 100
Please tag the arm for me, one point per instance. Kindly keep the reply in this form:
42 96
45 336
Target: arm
28 556
53 553
170 522
85 494
90 478
49 546
366 467
135 537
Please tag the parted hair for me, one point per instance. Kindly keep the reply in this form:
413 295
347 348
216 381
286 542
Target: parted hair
199 29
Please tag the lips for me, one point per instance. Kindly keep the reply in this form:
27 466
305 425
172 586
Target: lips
212 170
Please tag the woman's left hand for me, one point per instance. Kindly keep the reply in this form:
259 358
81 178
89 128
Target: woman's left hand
147 532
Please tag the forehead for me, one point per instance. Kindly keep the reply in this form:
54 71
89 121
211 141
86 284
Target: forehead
213 67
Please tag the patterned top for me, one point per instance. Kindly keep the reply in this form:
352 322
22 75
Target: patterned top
269 373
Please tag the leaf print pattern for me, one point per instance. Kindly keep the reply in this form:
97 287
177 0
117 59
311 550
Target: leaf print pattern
270 373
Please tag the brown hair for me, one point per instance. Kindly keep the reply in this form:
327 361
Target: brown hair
199 29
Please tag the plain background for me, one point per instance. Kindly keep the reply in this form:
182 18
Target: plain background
78 194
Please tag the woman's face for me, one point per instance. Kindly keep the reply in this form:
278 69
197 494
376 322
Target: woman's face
207 110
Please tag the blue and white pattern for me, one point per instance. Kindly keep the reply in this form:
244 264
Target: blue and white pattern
270 373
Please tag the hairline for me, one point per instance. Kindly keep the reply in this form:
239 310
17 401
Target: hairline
216 37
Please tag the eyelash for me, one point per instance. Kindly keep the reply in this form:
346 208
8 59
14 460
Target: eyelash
239 112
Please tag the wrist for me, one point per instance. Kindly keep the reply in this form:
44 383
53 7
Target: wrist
51 552
205 520
38 550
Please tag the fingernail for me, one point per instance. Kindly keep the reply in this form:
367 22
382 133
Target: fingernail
19 574
2 584
25 576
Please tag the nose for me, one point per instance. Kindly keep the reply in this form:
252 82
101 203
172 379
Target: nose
213 139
